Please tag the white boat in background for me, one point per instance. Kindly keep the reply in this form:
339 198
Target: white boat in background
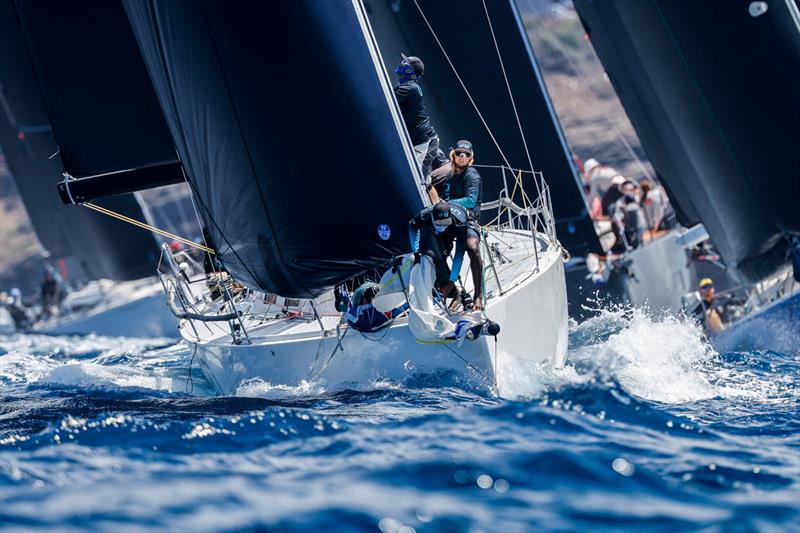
120 309
661 272
717 118
50 127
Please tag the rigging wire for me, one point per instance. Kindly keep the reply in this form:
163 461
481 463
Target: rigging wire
463 86
510 93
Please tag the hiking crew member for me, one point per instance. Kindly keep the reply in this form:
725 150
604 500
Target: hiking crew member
463 187
628 218
707 311
409 97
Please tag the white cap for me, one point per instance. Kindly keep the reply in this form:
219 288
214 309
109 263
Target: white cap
590 165
619 179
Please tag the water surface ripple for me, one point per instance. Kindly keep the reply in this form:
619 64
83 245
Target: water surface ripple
646 428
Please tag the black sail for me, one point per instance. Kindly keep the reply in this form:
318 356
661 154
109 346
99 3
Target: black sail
101 103
464 32
711 88
106 248
285 127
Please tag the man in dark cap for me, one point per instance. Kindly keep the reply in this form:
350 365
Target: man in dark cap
463 187
409 96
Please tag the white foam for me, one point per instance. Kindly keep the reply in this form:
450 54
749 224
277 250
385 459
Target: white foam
258 388
19 367
89 374
656 359
75 361
519 378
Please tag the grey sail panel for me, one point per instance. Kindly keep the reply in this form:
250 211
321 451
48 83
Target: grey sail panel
294 156
711 90
464 32
106 248
98 95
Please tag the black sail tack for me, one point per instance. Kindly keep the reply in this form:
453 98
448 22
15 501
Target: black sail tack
711 88
284 126
106 248
463 29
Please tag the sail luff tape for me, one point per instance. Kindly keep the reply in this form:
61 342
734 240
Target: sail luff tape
143 225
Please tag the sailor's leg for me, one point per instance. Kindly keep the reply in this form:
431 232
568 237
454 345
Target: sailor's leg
476 267
430 156
421 152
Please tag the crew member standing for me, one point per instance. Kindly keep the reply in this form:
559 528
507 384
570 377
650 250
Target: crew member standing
409 97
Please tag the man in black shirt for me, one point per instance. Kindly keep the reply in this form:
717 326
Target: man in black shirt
409 97
707 312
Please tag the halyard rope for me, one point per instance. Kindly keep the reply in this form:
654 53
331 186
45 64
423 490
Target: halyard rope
143 225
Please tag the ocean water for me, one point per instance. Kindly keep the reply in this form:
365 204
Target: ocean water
646 428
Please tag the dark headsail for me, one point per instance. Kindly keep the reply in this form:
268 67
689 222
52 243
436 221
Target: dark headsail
107 248
464 32
284 125
105 115
711 88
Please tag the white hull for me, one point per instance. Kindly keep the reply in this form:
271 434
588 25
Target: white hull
130 309
661 274
6 322
532 315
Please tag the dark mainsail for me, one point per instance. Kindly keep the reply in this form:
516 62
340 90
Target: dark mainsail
284 125
105 247
464 32
100 101
711 88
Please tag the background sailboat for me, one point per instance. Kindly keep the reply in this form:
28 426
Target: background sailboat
711 89
72 101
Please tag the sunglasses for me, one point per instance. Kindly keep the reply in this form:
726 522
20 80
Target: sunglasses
463 154
705 288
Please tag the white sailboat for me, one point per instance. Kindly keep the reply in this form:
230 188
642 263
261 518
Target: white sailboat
118 309
283 344
241 332
105 125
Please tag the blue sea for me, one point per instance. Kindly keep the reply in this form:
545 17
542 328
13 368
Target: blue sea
647 428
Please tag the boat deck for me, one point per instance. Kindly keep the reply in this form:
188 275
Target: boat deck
514 258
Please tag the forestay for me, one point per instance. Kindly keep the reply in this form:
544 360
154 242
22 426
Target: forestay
287 128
